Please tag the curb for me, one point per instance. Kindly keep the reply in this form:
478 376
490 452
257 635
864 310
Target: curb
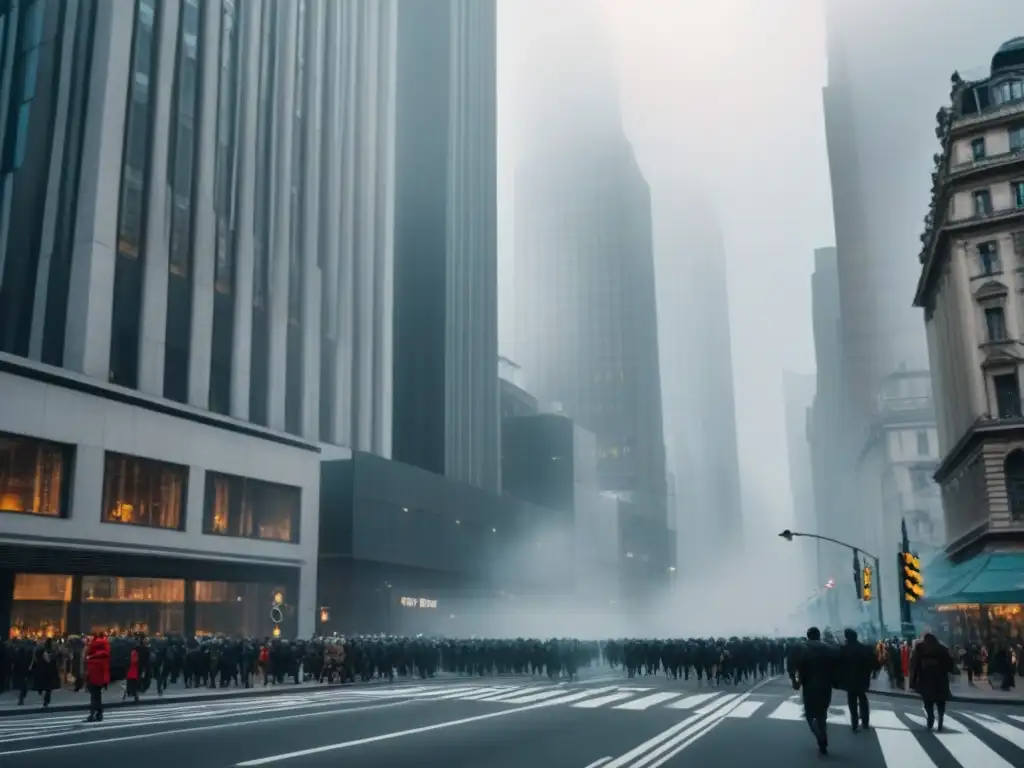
1014 702
277 690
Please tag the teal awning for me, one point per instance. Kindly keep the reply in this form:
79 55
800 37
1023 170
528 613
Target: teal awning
990 579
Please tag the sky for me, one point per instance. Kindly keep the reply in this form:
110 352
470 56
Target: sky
728 93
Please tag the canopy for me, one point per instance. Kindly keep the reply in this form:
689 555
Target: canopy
988 579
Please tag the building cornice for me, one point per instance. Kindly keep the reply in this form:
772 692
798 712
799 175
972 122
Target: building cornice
980 432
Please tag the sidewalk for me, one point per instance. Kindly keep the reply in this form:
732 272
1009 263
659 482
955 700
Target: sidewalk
980 693
65 700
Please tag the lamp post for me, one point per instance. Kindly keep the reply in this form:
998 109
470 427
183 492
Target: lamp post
789 535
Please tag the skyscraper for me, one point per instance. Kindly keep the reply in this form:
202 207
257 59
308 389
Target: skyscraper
586 318
445 374
798 398
193 296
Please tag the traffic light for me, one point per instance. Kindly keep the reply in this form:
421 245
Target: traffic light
865 581
913 581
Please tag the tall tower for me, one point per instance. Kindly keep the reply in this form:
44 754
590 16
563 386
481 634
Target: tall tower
586 318
445 373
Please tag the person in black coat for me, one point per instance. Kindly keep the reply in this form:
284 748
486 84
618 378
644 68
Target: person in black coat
858 664
817 671
930 668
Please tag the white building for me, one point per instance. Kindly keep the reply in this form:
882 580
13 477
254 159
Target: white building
970 287
195 232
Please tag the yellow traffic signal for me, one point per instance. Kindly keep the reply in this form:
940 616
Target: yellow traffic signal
865 581
913 581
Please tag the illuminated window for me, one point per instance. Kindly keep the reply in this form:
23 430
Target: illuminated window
251 509
33 476
119 605
40 606
145 492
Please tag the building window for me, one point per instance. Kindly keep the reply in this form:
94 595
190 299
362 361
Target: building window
978 148
919 480
1007 395
251 509
129 605
1014 470
40 605
1008 92
1017 138
145 492
995 322
1018 193
34 476
988 257
231 608
922 443
982 202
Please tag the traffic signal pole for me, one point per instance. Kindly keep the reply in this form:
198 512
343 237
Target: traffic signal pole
789 535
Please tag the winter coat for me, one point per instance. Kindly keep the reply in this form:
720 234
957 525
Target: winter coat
45 672
930 668
97 662
133 666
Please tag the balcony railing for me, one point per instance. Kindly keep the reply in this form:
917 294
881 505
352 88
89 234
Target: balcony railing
990 113
1016 154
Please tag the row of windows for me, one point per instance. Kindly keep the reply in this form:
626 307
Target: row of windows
979 146
983 199
35 479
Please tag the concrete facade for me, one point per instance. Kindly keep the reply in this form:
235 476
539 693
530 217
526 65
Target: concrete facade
969 289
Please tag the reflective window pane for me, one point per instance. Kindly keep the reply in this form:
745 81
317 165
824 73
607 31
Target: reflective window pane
33 476
128 605
40 606
252 509
139 491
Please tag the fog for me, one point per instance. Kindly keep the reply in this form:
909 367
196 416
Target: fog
725 105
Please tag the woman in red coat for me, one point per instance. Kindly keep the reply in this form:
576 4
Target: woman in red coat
131 677
97 674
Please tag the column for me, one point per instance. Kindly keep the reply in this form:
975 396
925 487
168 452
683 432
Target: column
281 234
73 623
189 618
311 277
241 345
345 360
6 603
91 292
156 238
204 217
366 231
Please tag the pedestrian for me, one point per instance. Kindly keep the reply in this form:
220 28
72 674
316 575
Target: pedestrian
97 674
858 666
930 668
131 677
817 673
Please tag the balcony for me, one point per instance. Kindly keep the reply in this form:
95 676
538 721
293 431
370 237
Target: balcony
986 164
1000 113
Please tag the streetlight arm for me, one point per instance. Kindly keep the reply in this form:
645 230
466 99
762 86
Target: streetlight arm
790 535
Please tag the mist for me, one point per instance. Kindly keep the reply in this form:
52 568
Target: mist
723 106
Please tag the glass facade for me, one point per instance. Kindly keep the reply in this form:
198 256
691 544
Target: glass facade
181 160
124 341
127 605
40 605
145 492
251 509
34 476
297 238
47 605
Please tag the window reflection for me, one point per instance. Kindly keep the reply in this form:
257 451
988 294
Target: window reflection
253 509
229 608
139 491
33 476
119 605
40 607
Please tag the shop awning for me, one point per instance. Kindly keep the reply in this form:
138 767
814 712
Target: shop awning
990 579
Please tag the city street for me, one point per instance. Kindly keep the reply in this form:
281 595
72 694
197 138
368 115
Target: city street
606 722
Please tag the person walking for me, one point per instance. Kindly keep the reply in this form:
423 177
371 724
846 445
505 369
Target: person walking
97 674
858 665
930 668
817 672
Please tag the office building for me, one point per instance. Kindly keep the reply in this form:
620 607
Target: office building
189 304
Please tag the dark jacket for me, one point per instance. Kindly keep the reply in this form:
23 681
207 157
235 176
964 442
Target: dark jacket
45 673
930 668
817 673
858 663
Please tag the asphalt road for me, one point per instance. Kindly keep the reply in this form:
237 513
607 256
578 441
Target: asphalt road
607 722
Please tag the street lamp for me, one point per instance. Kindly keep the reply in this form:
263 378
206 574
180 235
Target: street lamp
789 535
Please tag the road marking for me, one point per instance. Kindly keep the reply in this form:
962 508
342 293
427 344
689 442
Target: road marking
968 749
648 701
529 698
1013 735
691 702
918 720
600 702
901 748
709 708
745 709
690 728
217 727
508 695
412 731
599 763
885 718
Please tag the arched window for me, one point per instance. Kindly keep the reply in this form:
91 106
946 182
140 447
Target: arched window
1014 469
